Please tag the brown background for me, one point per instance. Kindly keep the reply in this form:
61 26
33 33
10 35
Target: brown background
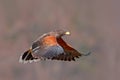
94 24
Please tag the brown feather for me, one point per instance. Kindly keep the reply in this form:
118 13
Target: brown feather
49 40
71 53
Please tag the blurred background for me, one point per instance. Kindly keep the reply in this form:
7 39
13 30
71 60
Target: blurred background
94 26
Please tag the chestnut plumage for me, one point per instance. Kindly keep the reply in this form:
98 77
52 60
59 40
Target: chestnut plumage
50 46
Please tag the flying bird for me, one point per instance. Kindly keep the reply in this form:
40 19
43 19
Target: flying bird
50 46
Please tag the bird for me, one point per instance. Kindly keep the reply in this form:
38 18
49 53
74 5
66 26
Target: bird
51 46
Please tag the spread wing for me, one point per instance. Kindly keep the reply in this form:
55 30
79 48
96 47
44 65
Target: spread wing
45 49
69 52
48 49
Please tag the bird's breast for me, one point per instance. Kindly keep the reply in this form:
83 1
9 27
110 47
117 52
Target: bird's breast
49 41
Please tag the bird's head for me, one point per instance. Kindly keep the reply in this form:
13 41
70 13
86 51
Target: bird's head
60 33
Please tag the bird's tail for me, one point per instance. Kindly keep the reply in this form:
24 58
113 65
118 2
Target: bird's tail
27 56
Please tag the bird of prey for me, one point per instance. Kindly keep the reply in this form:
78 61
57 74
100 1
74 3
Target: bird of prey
50 46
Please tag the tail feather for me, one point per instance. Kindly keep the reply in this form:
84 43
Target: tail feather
27 57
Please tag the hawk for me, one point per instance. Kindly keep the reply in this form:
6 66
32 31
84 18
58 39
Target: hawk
50 46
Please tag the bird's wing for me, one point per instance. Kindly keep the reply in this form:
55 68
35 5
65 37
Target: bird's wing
69 52
48 49
52 51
